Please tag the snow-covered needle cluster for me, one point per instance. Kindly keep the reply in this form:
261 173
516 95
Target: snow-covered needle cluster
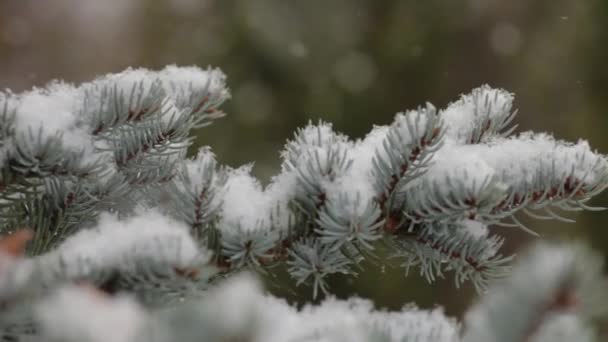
100 175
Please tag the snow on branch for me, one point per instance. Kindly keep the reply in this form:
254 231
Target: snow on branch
69 152
492 181
137 254
333 198
236 311
480 115
554 293
551 295
465 247
318 157
422 181
82 314
406 150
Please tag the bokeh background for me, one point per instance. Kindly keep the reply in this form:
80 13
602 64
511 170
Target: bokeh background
352 62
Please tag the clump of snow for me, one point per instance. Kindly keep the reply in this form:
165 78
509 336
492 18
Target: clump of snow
75 314
525 163
44 113
238 308
467 114
523 158
52 108
359 179
173 80
281 192
246 205
65 111
565 327
410 126
454 168
480 232
57 107
235 303
244 202
15 276
542 277
148 238
310 140
169 90
125 83
201 170
352 320
475 228
178 80
526 160
366 149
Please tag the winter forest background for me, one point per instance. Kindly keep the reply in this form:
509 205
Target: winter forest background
354 63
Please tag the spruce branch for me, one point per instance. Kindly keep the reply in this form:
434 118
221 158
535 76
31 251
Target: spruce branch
150 256
465 248
406 150
317 156
340 225
477 117
426 178
57 174
236 311
551 284
429 185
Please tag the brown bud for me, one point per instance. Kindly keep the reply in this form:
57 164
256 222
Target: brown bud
191 273
14 244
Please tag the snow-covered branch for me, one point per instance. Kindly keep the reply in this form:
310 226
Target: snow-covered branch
552 295
99 172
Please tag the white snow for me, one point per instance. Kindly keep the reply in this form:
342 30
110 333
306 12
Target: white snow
520 158
59 109
351 320
240 309
310 139
49 112
475 228
565 327
457 163
244 201
246 205
201 169
15 276
177 80
532 286
174 83
411 125
463 116
521 163
80 314
122 244
359 180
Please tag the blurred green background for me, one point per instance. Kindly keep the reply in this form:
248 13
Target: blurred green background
354 63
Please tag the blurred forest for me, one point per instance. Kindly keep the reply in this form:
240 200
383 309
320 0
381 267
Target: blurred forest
354 63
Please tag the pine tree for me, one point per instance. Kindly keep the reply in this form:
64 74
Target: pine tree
111 233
